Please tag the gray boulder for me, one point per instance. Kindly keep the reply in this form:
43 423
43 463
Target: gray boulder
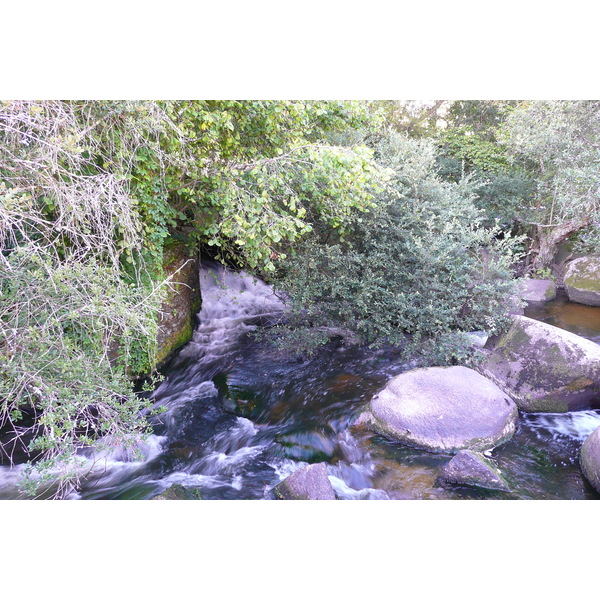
544 368
589 459
473 469
537 290
307 483
582 280
442 409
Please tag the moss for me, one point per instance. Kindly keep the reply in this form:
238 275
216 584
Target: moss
515 337
583 283
549 404
584 276
579 384
278 495
177 340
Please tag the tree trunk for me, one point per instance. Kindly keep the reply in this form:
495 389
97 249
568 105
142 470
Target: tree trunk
549 237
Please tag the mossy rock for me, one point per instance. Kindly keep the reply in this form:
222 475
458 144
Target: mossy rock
183 302
544 368
582 280
178 492
474 470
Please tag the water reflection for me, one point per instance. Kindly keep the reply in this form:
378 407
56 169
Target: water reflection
580 319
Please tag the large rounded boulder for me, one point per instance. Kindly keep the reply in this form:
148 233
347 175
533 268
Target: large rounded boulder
582 280
537 290
442 409
544 368
589 459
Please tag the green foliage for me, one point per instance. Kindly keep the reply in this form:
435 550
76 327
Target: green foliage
482 117
587 241
469 146
91 194
559 143
562 139
416 118
246 174
77 306
420 263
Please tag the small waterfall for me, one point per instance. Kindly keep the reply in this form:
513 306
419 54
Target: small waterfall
573 425
232 304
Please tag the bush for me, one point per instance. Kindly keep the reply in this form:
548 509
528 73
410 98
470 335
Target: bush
420 264
77 309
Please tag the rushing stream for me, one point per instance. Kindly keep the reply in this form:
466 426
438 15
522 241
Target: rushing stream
240 416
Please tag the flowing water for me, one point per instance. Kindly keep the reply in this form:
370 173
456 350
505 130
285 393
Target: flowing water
241 415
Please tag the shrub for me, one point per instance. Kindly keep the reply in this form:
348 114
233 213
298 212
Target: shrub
419 264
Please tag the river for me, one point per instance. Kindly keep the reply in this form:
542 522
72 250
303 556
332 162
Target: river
242 415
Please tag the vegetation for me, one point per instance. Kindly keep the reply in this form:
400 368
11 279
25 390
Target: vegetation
420 263
559 142
90 195
375 220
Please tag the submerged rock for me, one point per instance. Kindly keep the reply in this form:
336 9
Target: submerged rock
307 483
307 446
473 469
582 280
178 492
538 290
544 368
589 459
443 409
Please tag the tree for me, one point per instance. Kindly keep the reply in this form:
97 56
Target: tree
469 145
242 176
559 142
68 224
416 118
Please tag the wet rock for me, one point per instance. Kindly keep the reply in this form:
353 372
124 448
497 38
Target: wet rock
589 459
307 483
582 280
538 290
444 409
178 492
473 469
182 302
544 368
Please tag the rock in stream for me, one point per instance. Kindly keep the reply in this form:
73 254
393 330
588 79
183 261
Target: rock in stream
442 409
